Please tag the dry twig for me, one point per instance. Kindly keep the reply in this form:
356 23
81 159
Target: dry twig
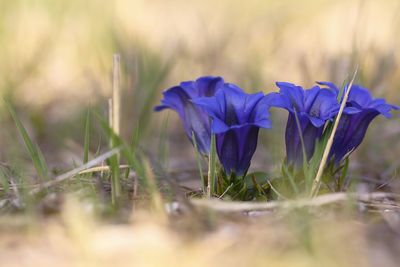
231 206
75 171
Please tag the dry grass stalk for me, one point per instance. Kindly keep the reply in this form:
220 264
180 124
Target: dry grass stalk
76 171
110 117
102 169
325 155
116 95
232 206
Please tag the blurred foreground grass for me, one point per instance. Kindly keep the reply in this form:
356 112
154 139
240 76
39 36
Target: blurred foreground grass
56 57
324 237
55 64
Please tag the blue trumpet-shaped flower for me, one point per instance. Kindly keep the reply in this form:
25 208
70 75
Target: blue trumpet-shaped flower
359 111
236 120
195 121
309 110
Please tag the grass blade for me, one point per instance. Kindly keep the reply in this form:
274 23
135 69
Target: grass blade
343 175
128 152
87 138
33 150
113 162
291 179
4 180
163 148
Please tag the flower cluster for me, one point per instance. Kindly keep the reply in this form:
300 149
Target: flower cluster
236 120
310 109
211 106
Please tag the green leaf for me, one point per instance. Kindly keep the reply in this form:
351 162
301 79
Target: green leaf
260 178
33 150
289 175
343 175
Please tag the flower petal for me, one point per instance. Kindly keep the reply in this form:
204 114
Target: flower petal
236 147
236 119
295 95
359 95
208 85
194 119
350 133
294 147
330 85
280 101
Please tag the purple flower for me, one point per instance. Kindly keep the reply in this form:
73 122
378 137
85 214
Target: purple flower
236 120
360 110
308 110
195 120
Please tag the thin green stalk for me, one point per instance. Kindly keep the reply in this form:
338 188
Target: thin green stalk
163 145
4 180
115 179
291 180
198 160
303 147
212 160
87 138
343 175
86 149
128 151
306 167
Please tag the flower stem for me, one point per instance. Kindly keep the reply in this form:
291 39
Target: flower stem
198 159
211 168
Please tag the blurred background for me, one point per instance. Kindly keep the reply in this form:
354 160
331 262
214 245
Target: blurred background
55 66
56 60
